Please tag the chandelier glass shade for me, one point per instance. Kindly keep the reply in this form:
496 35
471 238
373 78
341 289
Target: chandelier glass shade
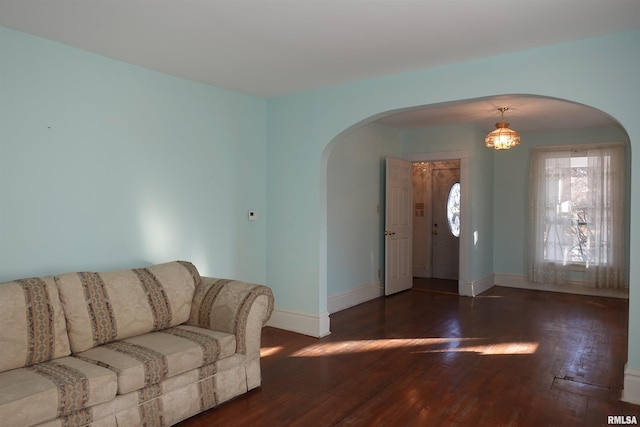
421 166
502 138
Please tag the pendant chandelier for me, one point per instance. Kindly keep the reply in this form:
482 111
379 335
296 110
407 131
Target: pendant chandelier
502 138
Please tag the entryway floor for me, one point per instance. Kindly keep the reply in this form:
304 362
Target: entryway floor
435 285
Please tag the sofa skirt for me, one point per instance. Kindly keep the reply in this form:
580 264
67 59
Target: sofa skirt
174 399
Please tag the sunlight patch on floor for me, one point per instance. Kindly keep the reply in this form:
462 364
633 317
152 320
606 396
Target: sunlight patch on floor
270 351
418 345
493 349
359 346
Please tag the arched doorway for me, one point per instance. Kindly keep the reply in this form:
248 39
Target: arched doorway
355 231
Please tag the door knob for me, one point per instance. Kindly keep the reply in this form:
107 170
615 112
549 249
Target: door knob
389 233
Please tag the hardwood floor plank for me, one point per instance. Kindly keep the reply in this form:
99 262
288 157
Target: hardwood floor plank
509 357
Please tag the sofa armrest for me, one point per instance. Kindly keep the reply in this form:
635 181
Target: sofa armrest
235 307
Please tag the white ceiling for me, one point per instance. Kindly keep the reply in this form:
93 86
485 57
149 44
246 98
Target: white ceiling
275 47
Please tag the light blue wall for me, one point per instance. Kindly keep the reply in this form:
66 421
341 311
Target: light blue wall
600 72
355 189
105 165
511 180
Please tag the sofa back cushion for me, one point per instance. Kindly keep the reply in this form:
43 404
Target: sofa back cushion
106 307
32 324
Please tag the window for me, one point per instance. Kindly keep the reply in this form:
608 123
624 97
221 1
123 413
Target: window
577 223
568 235
453 209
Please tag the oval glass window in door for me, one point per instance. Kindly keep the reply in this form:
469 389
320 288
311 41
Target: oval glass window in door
453 209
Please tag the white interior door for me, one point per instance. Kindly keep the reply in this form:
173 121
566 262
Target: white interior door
398 226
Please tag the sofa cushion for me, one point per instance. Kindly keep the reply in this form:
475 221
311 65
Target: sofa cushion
33 325
148 359
56 388
105 307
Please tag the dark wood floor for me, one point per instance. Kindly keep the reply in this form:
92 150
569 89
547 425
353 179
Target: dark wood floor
427 357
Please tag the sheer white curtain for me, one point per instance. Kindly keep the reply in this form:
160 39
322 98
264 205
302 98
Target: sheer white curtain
576 212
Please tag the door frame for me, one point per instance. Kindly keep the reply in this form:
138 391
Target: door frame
464 287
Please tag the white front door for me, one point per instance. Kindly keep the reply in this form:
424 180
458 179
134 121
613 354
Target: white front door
398 226
445 245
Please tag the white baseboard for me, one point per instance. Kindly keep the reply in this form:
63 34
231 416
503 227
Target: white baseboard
354 297
315 325
477 287
522 282
631 391
512 281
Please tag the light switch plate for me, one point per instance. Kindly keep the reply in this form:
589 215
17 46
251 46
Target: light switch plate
253 215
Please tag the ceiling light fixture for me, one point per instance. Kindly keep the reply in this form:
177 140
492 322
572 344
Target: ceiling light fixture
502 138
421 166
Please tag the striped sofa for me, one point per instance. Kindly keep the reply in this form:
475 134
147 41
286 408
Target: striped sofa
148 346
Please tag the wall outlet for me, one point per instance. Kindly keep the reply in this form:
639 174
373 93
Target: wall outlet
253 215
